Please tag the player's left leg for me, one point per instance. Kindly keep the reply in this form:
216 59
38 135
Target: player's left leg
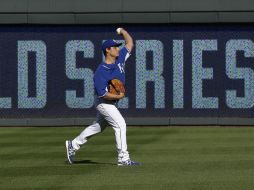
73 145
98 126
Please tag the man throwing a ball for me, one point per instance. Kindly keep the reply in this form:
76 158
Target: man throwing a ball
106 105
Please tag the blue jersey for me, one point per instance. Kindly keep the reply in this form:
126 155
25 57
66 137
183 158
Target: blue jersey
106 72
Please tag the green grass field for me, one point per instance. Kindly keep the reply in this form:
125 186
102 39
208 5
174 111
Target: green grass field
184 158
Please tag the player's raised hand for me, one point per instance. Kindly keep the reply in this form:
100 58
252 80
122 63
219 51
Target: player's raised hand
118 31
128 39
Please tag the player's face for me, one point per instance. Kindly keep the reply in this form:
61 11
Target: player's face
114 51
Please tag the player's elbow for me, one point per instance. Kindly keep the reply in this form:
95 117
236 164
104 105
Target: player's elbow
130 45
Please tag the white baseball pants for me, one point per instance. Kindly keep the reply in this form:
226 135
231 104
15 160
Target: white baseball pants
107 113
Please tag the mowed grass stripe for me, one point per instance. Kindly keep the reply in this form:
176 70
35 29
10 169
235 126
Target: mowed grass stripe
170 138
138 138
145 158
132 142
221 170
12 147
157 152
230 185
207 185
171 163
158 155
125 178
41 131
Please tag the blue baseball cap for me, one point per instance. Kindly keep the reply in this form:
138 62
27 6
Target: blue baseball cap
109 43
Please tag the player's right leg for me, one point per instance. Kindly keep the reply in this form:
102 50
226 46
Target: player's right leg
73 145
112 115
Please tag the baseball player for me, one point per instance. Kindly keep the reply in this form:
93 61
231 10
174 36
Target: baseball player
106 103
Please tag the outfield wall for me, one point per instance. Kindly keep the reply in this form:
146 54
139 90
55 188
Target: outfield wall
177 74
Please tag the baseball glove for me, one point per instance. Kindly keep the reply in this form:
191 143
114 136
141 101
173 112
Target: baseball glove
116 86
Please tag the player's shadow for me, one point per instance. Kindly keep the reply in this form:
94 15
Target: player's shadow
90 162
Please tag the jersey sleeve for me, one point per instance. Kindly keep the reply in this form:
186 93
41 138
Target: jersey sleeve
100 86
124 54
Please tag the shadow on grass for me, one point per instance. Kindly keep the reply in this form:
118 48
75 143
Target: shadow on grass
89 162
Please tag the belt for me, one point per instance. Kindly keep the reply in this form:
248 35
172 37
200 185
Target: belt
104 101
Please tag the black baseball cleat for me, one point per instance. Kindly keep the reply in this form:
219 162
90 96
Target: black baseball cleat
128 163
70 151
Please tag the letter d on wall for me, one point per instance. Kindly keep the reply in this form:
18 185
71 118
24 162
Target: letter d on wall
39 101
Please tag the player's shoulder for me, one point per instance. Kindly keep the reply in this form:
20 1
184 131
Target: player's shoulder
103 68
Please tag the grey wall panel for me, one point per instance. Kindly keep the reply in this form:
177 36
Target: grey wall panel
13 6
212 5
102 6
39 6
62 6
83 121
148 121
146 17
98 18
194 5
13 18
236 121
123 11
198 17
193 121
146 5
51 18
13 122
234 5
236 16
50 122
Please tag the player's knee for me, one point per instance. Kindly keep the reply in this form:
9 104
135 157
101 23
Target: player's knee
122 124
96 128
